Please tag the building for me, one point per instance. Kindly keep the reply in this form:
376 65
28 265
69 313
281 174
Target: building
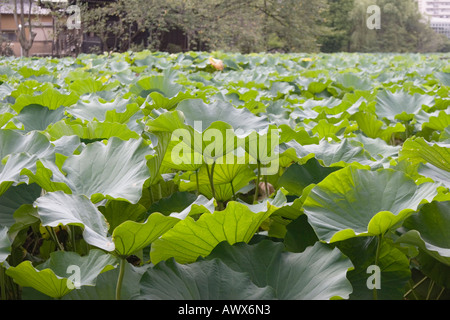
42 25
437 13
49 22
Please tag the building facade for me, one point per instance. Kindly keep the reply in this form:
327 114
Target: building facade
437 13
42 25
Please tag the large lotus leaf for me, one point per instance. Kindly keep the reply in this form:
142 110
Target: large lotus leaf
106 283
54 277
329 154
297 177
226 178
56 208
37 117
46 174
117 212
327 130
160 143
356 202
117 170
318 273
163 84
90 85
401 105
438 122
92 130
377 148
132 236
182 204
428 229
10 173
15 197
5 244
299 235
90 265
438 175
375 128
5 115
97 110
203 280
418 150
24 218
180 156
353 81
444 77
190 239
394 268
33 143
50 98
45 281
241 120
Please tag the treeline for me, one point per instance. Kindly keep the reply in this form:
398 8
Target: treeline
260 25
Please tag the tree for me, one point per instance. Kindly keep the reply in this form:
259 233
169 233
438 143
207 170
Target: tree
337 19
401 29
25 39
296 24
119 23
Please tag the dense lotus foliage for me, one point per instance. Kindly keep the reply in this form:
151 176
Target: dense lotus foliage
276 176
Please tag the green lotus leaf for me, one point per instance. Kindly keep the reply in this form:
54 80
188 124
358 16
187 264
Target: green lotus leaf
418 150
33 143
356 202
5 244
401 105
226 178
90 85
50 98
161 91
11 172
318 273
37 117
438 175
297 177
120 110
394 269
190 239
117 170
160 144
204 280
444 77
92 130
353 81
53 277
377 148
428 229
14 198
182 204
299 235
56 208
132 236
239 119
45 281
369 124
116 212
438 122
329 154
180 156
62 263
105 285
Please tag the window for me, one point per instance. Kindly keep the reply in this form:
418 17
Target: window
9 35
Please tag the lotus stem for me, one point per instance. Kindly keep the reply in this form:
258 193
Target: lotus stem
255 198
120 278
